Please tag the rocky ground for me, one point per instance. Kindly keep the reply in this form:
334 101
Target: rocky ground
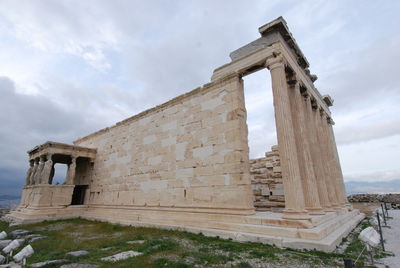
88 244
376 198
392 237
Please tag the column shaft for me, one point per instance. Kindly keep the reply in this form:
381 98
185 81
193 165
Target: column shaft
326 161
336 165
310 190
316 155
293 189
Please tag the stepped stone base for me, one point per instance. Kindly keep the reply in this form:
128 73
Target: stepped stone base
323 232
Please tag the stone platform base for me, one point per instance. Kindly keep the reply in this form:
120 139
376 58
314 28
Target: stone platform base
322 232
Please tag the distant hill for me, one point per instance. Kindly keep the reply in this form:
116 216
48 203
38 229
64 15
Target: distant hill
5 197
359 187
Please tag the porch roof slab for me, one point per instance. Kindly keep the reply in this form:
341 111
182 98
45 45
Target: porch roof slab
51 147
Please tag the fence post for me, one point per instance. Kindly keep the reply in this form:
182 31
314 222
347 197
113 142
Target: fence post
380 230
348 263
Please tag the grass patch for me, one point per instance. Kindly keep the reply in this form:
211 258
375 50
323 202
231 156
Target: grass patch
164 248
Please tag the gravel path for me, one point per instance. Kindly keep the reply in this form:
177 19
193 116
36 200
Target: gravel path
392 237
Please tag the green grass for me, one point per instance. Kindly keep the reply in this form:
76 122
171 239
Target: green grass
164 248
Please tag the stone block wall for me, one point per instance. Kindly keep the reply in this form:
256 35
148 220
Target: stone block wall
266 181
190 152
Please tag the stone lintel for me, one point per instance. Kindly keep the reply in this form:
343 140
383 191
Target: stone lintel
51 147
280 25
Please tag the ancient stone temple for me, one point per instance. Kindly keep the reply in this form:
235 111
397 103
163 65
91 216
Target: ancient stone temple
185 164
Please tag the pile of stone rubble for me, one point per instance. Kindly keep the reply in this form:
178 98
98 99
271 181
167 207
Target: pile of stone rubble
9 246
266 181
393 199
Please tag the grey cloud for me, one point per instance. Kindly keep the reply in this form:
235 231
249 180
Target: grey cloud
371 80
374 176
383 129
30 120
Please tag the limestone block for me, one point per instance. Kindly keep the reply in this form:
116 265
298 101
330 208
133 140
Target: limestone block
169 126
155 160
203 152
277 169
185 172
180 150
149 139
211 104
202 194
168 141
265 190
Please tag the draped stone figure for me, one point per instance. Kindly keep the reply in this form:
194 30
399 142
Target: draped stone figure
71 171
33 174
38 173
45 175
29 173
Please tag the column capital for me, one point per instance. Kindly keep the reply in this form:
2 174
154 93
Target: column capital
274 62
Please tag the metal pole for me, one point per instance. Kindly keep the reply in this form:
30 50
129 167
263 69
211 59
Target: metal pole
380 230
348 263
384 216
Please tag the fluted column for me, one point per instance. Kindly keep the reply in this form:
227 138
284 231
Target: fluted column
29 173
312 117
310 189
71 171
326 161
292 185
336 165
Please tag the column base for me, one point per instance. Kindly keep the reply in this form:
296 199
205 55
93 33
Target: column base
295 214
315 211
329 209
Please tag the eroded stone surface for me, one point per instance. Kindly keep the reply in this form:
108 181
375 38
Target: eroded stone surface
77 253
4 243
46 263
122 256
136 242
79 265
19 232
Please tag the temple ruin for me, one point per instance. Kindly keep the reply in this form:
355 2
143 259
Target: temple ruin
185 164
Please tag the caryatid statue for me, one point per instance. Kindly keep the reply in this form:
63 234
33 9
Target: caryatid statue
34 171
71 171
38 173
45 175
29 172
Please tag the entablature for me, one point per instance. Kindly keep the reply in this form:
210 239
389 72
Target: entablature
57 148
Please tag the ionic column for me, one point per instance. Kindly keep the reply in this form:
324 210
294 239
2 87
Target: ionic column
47 169
311 197
326 161
293 189
312 117
71 171
336 165
29 173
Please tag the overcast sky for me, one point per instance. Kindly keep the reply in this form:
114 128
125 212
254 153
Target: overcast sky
68 68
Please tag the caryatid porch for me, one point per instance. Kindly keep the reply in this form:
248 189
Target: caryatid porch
39 190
